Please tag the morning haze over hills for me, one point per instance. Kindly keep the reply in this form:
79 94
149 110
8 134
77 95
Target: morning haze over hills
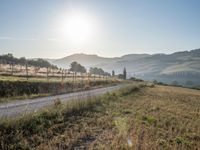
180 66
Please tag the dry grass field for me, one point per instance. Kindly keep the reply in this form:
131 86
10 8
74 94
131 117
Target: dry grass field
137 117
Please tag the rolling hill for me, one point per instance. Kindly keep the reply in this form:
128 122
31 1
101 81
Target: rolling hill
180 66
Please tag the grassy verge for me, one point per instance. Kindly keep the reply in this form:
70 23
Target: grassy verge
131 118
12 90
50 79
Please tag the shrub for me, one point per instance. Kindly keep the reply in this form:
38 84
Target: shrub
21 88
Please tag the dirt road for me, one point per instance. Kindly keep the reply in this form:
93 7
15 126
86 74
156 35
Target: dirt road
19 108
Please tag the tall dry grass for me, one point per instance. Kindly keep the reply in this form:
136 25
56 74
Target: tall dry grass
136 117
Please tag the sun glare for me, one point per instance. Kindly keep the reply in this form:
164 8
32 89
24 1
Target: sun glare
77 27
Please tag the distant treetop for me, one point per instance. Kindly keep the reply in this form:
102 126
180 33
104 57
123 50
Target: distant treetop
98 71
76 67
10 59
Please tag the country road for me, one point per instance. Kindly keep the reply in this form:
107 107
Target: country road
19 108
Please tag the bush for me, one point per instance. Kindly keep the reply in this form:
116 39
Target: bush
20 88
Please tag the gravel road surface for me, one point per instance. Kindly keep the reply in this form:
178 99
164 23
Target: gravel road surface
22 107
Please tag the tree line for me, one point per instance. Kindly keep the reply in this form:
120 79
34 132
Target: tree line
76 67
10 59
41 63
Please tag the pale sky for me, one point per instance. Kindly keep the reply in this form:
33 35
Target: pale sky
109 28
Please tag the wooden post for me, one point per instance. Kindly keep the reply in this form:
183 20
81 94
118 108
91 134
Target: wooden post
75 76
47 74
65 73
12 68
26 71
35 69
20 68
88 76
73 79
53 72
81 79
62 75
10 65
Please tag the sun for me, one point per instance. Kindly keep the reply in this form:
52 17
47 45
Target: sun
77 27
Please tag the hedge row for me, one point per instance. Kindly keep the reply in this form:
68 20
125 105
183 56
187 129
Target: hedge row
20 88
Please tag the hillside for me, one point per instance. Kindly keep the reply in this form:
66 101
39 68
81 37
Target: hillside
179 66
84 59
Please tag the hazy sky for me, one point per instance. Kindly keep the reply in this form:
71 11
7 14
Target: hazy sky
42 28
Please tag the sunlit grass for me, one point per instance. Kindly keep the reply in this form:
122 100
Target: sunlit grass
136 117
56 79
13 89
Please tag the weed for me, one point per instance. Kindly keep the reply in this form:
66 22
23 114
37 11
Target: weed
149 119
57 102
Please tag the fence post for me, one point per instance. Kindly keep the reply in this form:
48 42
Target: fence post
75 76
52 72
73 80
65 72
35 69
26 71
11 68
62 76
82 80
88 76
20 68
47 74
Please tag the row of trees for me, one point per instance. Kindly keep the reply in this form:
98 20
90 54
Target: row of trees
41 63
76 67
99 71
10 59
123 76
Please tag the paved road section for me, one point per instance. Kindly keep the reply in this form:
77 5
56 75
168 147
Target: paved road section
19 108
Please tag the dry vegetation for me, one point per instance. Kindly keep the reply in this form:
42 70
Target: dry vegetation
18 89
160 117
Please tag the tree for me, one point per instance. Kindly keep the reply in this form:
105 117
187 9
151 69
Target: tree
22 61
76 67
113 73
124 73
98 71
10 59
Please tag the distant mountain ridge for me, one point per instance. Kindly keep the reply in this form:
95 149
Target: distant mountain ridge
185 63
